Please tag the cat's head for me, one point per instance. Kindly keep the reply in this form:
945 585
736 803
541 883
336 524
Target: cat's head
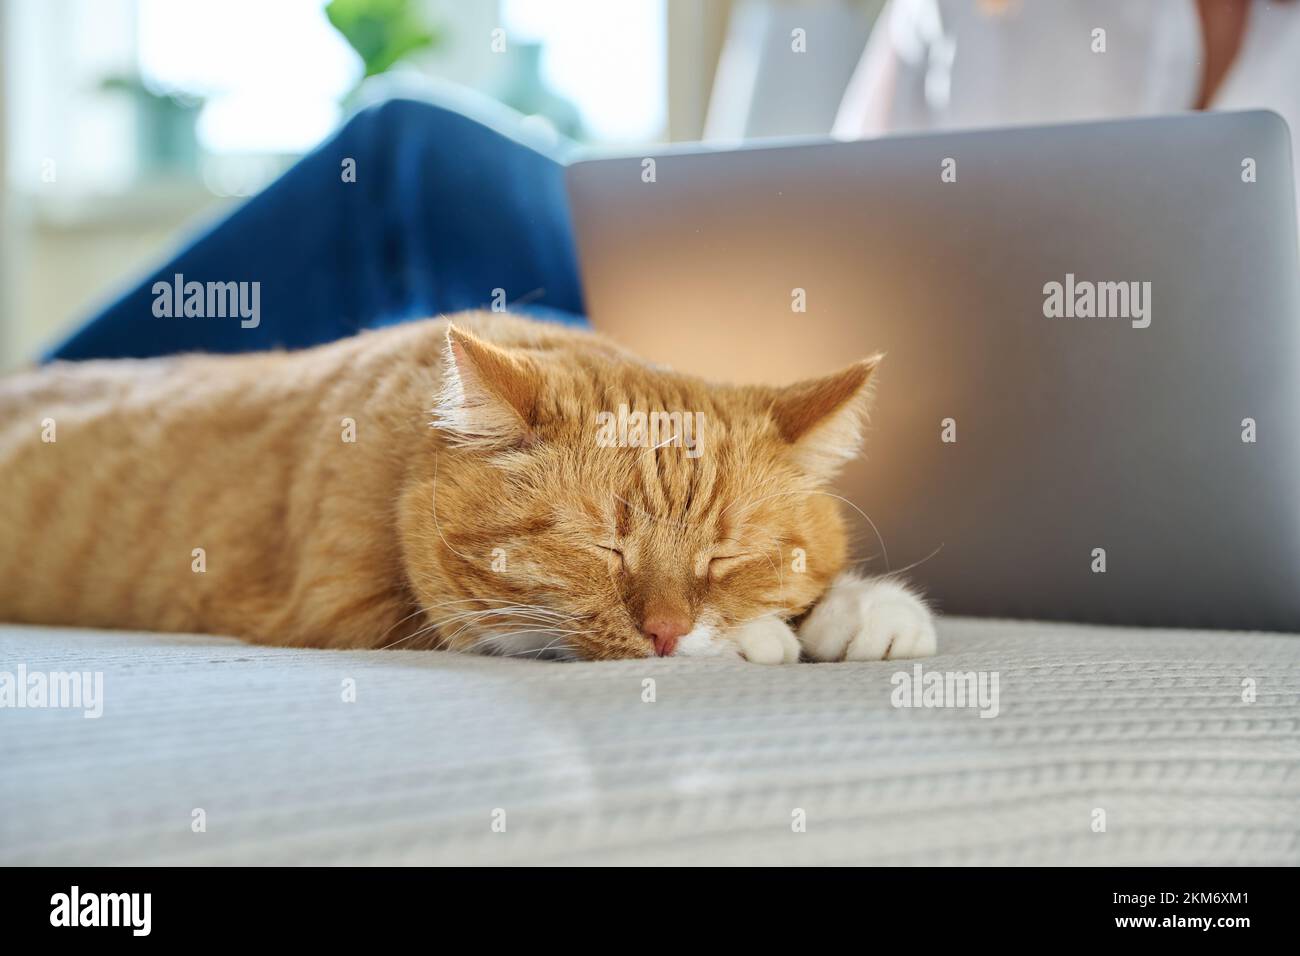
586 503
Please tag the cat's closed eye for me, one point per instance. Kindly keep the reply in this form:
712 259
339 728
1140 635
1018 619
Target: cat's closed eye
613 553
722 564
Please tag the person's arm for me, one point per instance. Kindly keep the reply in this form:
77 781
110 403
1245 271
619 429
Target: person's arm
887 90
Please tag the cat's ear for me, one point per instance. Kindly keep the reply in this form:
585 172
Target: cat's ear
489 395
823 418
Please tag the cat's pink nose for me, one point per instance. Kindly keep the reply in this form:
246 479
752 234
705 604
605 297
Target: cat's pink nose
664 630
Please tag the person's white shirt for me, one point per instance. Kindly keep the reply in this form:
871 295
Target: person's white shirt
948 64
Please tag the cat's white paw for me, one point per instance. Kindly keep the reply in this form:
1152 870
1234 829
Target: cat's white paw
768 640
868 619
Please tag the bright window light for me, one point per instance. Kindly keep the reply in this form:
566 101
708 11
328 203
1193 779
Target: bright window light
609 59
272 72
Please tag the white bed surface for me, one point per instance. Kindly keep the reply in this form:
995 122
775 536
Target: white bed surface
1148 725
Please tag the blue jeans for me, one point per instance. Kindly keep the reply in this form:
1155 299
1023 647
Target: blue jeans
443 213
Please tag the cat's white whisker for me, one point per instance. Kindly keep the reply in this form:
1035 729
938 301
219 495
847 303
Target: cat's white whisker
866 517
515 620
559 643
418 610
908 567
521 612
433 507
494 641
534 609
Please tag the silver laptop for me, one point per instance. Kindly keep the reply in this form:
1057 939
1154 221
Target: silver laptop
1090 404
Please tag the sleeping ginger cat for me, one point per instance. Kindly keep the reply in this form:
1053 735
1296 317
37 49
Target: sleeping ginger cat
302 498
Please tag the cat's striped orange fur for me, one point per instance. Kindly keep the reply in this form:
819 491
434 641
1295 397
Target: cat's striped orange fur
475 508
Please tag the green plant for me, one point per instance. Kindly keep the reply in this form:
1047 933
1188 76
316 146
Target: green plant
381 31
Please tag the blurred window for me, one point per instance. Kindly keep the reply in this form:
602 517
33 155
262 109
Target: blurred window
271 74
608 58
117 94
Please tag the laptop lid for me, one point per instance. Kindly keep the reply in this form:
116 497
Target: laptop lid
1090 404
